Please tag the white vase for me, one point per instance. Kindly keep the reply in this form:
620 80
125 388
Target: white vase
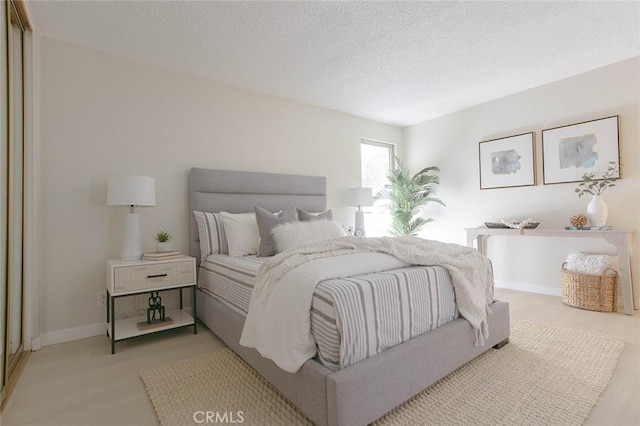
597 211
163 247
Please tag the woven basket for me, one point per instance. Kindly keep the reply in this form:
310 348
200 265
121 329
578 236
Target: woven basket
592 292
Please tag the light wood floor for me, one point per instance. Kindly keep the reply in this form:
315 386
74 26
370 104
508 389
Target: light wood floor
81 383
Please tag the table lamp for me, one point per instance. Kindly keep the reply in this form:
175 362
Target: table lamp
358 197
133 191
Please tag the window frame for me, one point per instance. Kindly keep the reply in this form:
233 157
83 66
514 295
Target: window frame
390 146
379 215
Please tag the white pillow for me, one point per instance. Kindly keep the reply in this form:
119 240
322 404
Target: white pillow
294 234
242 233
591 264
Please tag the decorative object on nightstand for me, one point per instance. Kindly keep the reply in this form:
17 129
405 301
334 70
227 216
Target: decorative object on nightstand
597 209
133 191
155 307
163 241
359 197
163 255
155 313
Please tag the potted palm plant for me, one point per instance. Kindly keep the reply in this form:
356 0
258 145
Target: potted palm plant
406 194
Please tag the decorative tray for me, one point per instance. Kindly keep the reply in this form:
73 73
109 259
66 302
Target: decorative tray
496 225
588 228
500 225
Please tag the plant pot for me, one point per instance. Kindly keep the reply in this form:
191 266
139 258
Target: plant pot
163 247
597 211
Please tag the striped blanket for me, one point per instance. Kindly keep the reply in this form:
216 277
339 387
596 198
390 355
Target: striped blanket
357 317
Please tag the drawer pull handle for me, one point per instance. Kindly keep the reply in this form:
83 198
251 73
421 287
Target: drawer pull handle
156 276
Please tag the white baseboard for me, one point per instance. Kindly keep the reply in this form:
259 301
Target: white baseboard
531 288
76 333
35 344
70 334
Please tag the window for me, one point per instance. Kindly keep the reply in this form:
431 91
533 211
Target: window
376 160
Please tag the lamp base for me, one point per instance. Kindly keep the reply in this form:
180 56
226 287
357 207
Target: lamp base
132 248
359 230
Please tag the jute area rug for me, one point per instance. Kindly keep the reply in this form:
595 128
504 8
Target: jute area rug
544 376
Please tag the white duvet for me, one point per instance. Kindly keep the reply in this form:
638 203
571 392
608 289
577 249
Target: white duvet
278 323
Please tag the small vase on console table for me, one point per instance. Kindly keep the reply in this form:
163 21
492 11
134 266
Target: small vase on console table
597 211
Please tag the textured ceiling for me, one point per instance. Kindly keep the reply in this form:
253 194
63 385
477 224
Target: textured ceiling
394 62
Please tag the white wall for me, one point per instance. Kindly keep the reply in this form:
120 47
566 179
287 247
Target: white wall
451 142
102 115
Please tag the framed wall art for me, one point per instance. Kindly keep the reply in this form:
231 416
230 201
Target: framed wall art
507 162
571 151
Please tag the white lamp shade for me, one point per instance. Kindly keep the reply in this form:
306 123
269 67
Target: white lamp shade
357 197
131 190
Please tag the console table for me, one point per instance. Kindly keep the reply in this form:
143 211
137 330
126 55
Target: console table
621 239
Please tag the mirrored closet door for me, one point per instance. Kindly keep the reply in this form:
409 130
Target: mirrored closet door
12 193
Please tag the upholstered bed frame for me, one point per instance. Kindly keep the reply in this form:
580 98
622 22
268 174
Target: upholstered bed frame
362 392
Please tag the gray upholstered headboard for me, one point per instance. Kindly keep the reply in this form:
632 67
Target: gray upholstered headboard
238 192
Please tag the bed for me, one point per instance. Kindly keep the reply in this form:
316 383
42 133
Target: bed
365 390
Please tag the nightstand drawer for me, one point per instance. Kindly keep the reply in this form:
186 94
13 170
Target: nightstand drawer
141 277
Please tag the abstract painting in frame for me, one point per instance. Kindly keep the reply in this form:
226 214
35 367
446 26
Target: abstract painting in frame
507 162
571 151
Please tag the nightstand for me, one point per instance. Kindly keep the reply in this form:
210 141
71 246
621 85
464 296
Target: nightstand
127 278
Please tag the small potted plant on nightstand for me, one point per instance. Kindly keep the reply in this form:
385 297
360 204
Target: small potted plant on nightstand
163 239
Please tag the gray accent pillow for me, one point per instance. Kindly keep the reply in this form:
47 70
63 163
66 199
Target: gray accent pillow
304 216
266 222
